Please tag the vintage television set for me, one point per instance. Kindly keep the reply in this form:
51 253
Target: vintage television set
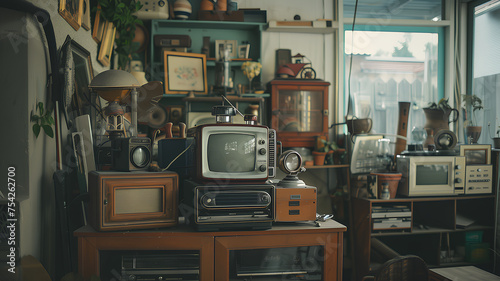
138 200
233 153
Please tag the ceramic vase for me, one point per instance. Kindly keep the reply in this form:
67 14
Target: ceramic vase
182 9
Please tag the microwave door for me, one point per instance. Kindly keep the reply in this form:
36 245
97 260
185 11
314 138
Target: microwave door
431 178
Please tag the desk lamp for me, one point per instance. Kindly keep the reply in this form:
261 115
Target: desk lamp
114 86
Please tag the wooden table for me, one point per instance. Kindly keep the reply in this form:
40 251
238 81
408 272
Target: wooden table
461 273
214 247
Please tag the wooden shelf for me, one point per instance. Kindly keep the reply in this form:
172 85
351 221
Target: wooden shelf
327 166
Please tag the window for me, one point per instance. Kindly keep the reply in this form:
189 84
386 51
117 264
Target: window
389 65
484 79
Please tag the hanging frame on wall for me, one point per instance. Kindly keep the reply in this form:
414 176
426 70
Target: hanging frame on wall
71 11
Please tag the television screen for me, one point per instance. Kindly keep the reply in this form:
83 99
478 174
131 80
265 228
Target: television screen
231 153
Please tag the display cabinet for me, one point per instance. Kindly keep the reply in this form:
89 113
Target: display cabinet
444 231
299 111
286 251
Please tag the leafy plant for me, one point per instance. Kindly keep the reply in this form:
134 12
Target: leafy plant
441 105
326 146
474 102
120 13
43 121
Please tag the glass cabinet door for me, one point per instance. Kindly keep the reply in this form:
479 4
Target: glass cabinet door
300 111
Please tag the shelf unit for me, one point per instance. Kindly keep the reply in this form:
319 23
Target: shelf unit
435 226
217 30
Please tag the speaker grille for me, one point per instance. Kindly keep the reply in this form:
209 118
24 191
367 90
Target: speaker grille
235 199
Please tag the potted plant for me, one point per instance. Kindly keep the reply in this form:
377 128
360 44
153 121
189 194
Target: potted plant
496 139
121 14
472 130
323 148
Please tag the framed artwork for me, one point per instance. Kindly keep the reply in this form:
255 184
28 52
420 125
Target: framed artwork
71 11
243 51
99 25
86 14
221 45
106 48
83 76
185 73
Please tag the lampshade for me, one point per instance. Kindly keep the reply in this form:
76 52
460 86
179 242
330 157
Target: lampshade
114 85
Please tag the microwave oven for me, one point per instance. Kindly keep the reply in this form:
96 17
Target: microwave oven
431 175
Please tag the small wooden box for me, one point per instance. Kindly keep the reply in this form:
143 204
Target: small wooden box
295 204
132 200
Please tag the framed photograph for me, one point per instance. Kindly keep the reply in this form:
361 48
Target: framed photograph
221 45
99 25
71 11
243 51
86 14
185 73
106 48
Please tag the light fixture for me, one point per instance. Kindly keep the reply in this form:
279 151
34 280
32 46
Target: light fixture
115 86
290 162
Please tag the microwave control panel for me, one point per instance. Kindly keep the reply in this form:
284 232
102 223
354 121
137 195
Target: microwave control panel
459 179
478 179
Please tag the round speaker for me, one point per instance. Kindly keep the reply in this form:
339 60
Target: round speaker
445 140
157 117
140 157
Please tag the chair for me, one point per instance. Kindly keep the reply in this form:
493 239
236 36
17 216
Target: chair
401 268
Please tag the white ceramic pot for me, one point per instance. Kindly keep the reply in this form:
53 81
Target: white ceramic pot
182 9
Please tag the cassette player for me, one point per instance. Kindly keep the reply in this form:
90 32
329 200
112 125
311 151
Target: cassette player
223 207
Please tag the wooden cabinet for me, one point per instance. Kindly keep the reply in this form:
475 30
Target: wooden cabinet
439 230
292 248
299 111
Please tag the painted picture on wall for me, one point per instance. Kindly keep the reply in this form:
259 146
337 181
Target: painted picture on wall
86 14
106 48
71 11
185 73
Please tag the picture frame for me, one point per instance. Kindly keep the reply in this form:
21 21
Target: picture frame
221 45
83 76
86 14
243 51
185 73
99 25
71 11
106 48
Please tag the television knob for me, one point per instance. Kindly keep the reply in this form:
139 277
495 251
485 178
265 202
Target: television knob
262 168
262 151
458 167
458 180
479 170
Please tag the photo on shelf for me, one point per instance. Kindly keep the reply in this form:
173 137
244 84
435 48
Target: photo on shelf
221 45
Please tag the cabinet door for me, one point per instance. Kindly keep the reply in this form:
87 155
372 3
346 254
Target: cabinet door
299 112
279 257
94 251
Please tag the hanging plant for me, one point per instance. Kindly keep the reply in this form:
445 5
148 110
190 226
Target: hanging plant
121 14
43 121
